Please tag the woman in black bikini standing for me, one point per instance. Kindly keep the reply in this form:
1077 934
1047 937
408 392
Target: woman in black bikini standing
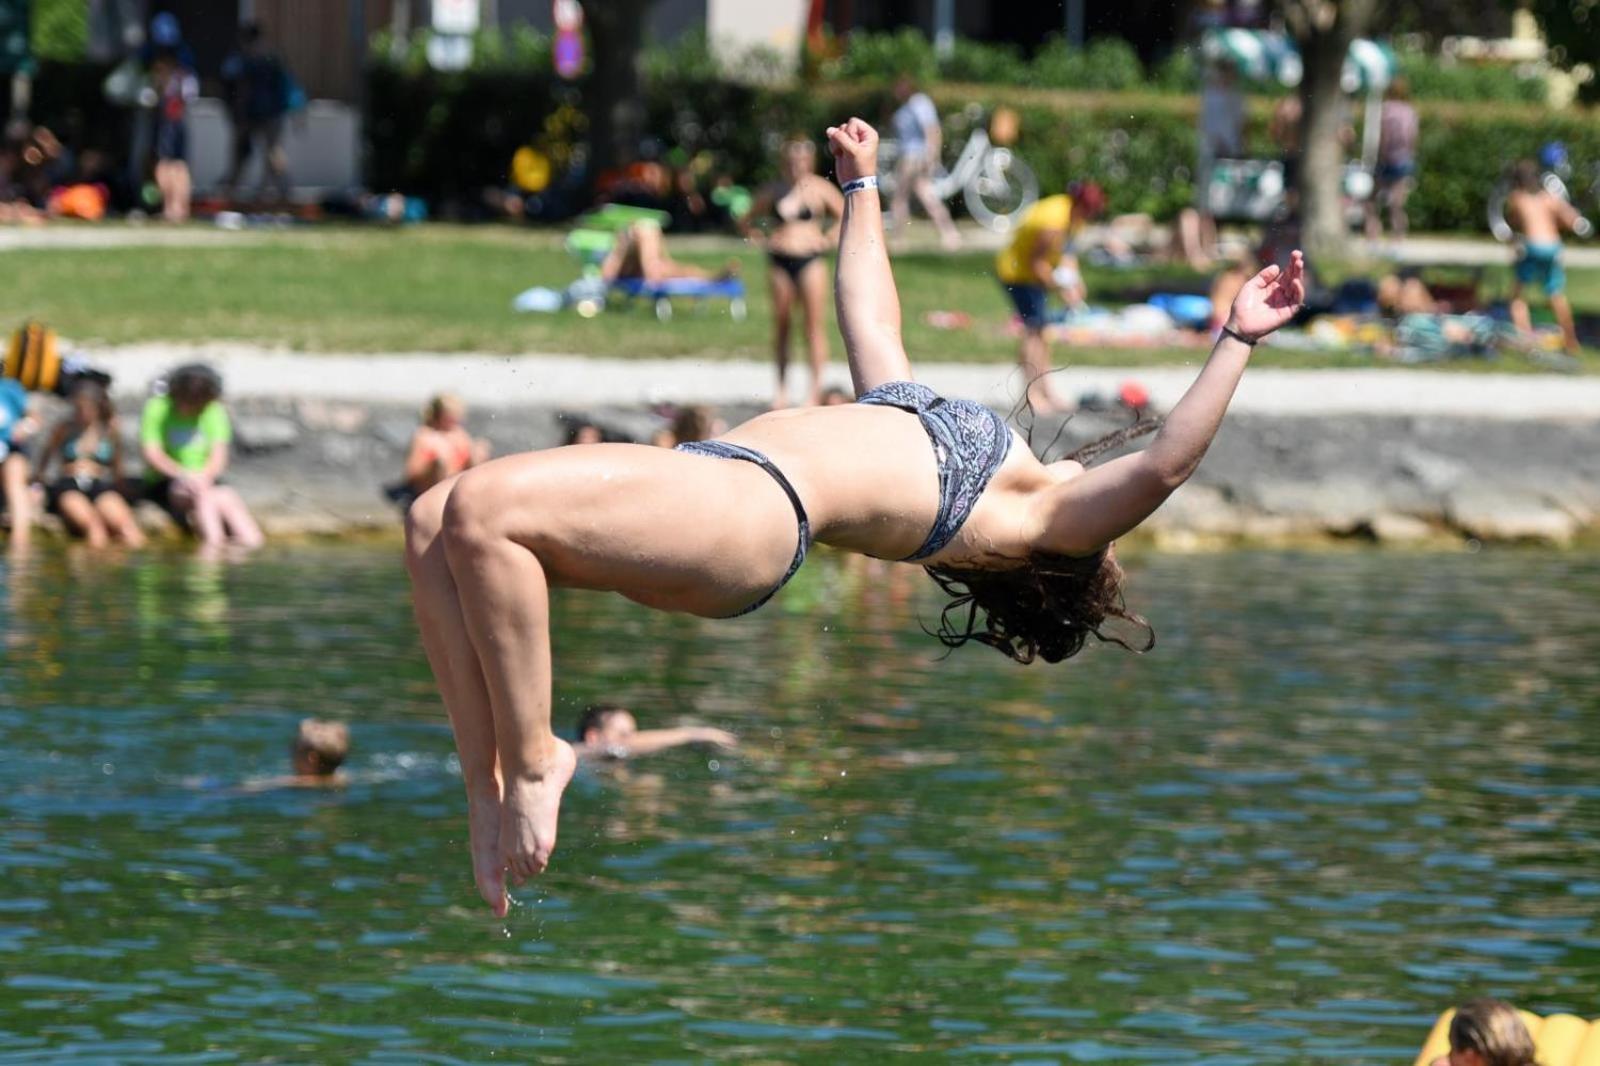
794 209
714 528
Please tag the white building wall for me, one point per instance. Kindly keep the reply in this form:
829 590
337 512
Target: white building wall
739 25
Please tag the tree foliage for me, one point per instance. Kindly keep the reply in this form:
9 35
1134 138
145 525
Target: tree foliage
1573 29
60 29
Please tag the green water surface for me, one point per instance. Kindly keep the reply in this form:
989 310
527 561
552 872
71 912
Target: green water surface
1345 790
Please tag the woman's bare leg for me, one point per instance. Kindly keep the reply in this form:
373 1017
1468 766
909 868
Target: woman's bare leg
625 518
236 517
1399 221
119 520
654 262
782 316
938 213
509 627
82 518
466 699
905 173
19 502
814 300
200 507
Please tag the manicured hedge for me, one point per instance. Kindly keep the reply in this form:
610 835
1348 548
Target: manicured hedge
1112 64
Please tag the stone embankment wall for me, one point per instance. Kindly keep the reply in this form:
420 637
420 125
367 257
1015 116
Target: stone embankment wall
316 467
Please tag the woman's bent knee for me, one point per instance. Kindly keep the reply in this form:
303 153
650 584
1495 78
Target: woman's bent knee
467 518
425 520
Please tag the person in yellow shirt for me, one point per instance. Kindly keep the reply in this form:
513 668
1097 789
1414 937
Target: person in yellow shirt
1037 262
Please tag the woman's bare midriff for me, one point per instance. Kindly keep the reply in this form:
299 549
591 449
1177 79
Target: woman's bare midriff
869 481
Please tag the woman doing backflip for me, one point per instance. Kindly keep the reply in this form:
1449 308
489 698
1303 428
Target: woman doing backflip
714 528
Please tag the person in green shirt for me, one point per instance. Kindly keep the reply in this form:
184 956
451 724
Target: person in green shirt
184 436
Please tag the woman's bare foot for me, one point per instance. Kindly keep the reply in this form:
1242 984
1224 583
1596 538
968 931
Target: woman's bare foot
488 872
529 814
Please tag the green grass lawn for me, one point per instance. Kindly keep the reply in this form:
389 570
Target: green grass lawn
446 288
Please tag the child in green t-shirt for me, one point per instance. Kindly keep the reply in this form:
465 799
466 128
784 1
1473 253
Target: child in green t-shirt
184 436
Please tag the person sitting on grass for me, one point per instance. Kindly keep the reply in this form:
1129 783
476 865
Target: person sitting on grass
606 731
88 493
1487 1032
1538 216
184 437
441 447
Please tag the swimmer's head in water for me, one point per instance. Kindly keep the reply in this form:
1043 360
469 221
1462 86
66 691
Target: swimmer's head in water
1487 1032
605 725
319 747
693 423
1046 608
585 433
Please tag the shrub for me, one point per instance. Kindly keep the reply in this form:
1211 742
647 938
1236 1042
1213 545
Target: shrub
1179 72
974 61
1108 64
1435 78
884 56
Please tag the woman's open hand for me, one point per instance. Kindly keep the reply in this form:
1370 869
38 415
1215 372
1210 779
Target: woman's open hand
1269 300
855 150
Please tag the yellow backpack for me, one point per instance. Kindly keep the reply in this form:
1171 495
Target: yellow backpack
33 358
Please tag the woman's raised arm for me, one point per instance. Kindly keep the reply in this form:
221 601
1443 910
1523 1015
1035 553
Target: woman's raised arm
1089 511
863 288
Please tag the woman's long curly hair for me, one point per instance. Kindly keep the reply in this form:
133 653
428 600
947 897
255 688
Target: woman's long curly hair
1047 606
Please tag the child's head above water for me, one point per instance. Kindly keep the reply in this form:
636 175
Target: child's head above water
1487 1032
605 725
319 747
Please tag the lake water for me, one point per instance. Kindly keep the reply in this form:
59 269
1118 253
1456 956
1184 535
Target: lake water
1345 790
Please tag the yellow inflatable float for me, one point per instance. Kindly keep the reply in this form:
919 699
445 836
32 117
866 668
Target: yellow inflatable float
1560 1039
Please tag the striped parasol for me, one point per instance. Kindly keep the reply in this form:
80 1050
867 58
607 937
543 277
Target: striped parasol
1263 56
1255 54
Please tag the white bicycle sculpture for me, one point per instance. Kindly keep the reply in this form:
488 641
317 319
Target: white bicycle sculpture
994 182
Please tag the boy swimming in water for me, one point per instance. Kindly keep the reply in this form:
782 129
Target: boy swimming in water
606 731
316 754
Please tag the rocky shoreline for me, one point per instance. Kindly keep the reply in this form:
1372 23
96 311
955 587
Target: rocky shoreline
316 467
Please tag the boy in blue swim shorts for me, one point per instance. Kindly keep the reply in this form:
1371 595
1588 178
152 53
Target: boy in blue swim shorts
1539 216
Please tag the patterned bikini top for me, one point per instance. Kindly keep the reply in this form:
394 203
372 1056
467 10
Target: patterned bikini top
970 442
